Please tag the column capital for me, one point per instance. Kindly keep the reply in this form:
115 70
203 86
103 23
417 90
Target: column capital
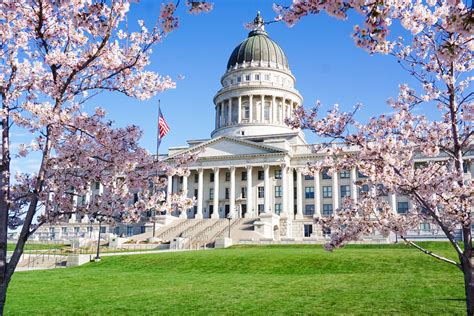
232 168
215 169
249 167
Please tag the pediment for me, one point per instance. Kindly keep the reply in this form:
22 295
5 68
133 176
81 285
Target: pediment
226 146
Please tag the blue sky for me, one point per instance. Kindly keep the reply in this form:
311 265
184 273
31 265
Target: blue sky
322 56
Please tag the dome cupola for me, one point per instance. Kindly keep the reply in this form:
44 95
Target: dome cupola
257 93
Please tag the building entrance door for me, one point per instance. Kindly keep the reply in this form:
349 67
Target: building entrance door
227 210
243 208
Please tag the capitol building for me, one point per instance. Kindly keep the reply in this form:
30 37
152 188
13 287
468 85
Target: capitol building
247 178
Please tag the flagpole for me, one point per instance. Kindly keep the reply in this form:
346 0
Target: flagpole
158 141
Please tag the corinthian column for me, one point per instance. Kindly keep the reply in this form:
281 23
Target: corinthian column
299 194
200 194
267 191
232 192
215 213
250 211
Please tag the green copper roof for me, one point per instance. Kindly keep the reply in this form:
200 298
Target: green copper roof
257 47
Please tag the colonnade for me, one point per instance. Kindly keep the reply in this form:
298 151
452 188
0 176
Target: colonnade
291 205
251 108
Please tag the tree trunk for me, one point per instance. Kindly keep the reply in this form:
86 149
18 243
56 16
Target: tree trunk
469 286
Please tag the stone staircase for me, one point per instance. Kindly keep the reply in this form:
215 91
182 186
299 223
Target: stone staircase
45 259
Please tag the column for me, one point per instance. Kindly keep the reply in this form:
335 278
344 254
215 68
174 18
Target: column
232 193
73 217
291 191
250 207
353 184
169 188
335 190
215 212
267 189
217 116
299 194
229 117
184 213
250 108
284 190
274 112
284 110
222 115
262 108
317 195
393 202
200 194
239 110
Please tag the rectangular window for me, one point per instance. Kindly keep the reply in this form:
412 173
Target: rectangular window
361 175
97 185
76 229
246 112
211 193
195 193
309 192
129 230
64 229
327 192
227 193
244 175
309 209
402 207
247 77
196 178
278 191
345 191
267 77
266 111
257 77
308 177
103 229
278 174
227 176
211 177
326 231
239 79
308 230
260 207
243 193
326 176
345 174
364 189
425 226
261 192
327 209
381 191
278 208
260 175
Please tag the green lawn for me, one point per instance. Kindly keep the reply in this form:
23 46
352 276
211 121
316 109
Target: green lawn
11 246
273 280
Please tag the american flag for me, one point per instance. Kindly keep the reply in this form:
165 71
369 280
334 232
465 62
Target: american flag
163 127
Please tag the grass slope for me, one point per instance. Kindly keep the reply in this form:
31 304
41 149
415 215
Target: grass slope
247 280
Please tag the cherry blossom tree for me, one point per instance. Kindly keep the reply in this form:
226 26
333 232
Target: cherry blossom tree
405 153
54 57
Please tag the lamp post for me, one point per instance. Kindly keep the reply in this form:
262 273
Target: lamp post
100 219
229 218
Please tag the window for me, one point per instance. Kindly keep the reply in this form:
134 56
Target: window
308 230
381 191
247 77
227 176
239 79
231 81
97 185
76 229
180 182
102 230
309 192
257 77
243 193
364 188
326 231
129 230
211 177
244 175
345 191
326 176
267 77
246 112
64 230
278 174
196 178
278 208
260 208
465 167
327 192
309 209
327 209
227 193
211 193
278 191
261 192
260 175
308 177
196 192
345 174
402 207
425 226
361 175
266 111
